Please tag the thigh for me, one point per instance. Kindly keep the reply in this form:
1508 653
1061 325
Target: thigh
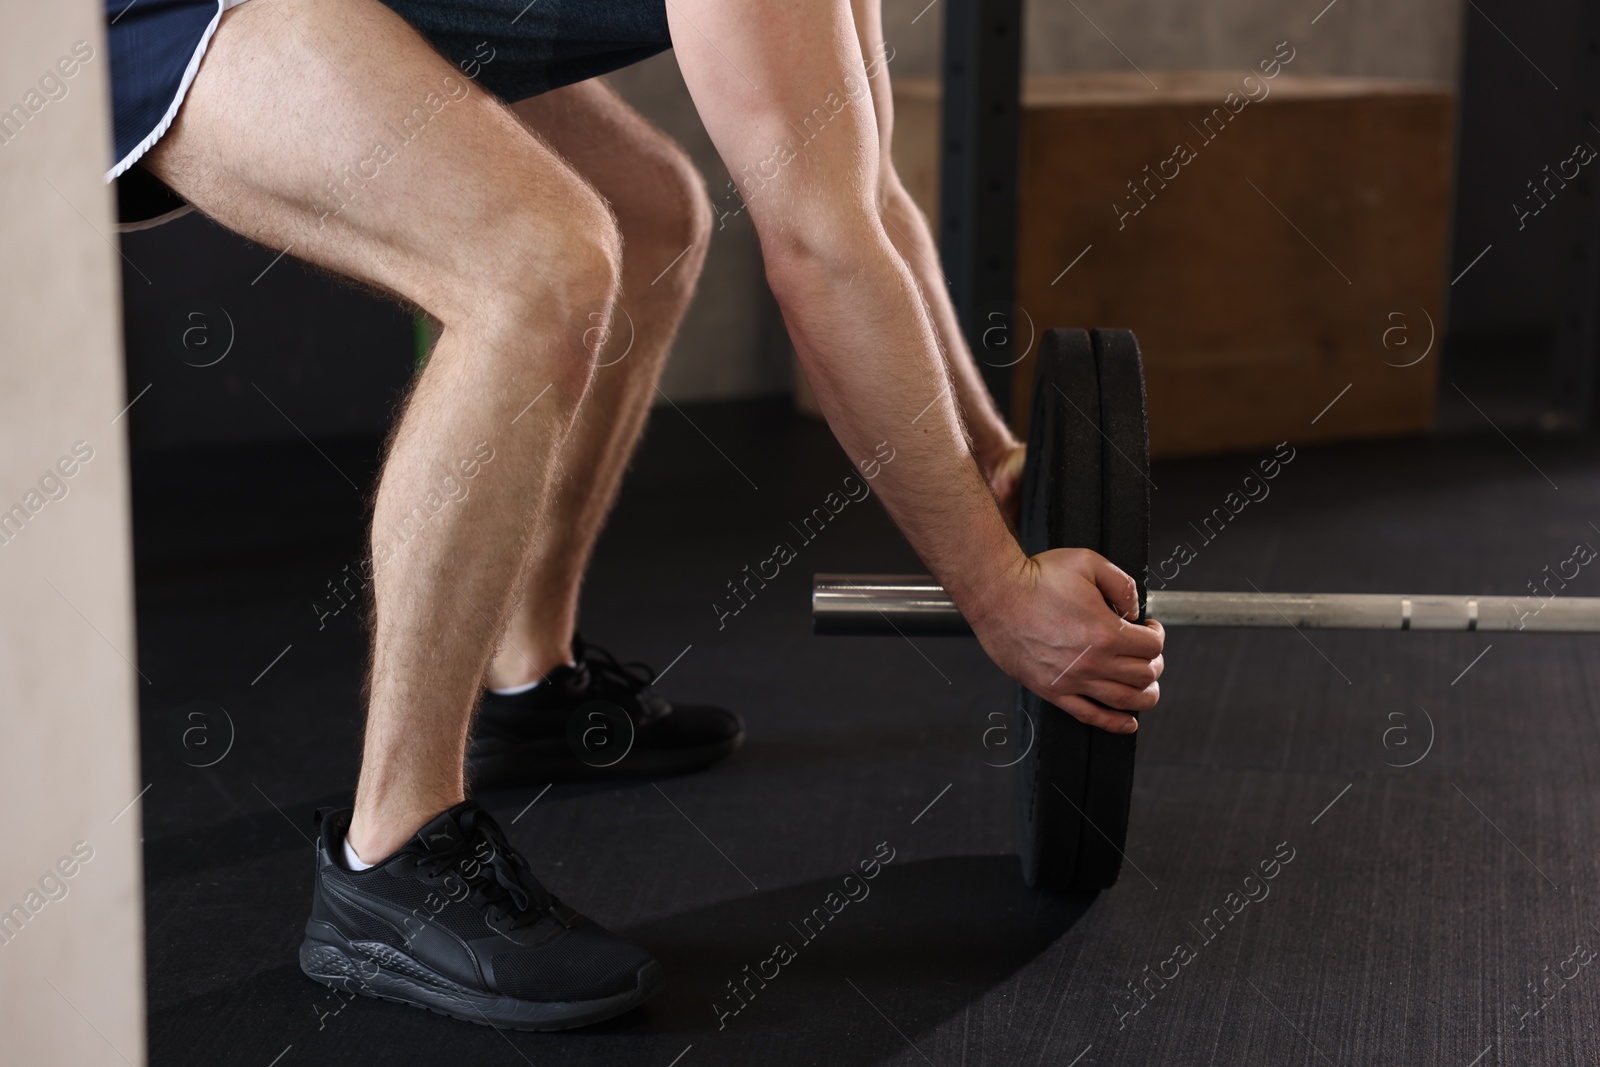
634 165
333 130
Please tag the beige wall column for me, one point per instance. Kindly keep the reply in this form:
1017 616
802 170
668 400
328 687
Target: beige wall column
71 955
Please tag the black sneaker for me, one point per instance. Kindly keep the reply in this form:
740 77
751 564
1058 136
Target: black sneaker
456 923
596 719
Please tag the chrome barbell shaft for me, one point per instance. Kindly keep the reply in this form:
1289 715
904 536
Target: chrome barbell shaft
916 604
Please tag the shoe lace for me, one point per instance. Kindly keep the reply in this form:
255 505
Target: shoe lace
632 678
502 880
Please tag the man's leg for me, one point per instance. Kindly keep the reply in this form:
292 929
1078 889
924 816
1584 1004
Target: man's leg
663 212
334 131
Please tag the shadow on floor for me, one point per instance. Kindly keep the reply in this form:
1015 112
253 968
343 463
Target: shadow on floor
950 928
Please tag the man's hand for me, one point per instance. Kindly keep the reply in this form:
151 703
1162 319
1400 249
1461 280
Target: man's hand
1050 627
1002 469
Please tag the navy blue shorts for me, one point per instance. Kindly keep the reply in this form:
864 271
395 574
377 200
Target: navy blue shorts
513 48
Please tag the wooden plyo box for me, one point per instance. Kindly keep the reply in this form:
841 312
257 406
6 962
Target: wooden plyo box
1267 257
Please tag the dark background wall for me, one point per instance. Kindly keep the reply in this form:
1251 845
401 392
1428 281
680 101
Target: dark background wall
1521 318
234 347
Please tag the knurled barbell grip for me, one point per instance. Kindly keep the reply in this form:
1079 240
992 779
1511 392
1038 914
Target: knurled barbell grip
911 604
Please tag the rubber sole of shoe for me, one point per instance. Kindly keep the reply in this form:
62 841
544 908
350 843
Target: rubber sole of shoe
378 970
536 763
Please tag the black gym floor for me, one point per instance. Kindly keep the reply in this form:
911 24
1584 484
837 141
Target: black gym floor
1420 909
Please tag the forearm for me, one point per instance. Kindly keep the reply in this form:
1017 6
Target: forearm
859 328
802 142
908 229
786 97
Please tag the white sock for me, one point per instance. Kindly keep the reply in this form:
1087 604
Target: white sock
514 690
351 860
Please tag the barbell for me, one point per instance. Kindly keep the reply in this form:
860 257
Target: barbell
862 604
1086 484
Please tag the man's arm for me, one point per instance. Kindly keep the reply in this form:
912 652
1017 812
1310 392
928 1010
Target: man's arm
783 92
999 453
997 450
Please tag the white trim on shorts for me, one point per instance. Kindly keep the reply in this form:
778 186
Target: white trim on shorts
177 100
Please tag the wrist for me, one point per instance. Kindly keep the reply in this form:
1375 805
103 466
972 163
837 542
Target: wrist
982 589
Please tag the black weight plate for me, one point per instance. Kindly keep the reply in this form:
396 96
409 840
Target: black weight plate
1061 502
1125 541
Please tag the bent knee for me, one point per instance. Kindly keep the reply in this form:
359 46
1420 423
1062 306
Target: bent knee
572 254
535 285
663 206
534 258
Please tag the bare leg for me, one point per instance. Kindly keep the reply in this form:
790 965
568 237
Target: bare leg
662 210
335 131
